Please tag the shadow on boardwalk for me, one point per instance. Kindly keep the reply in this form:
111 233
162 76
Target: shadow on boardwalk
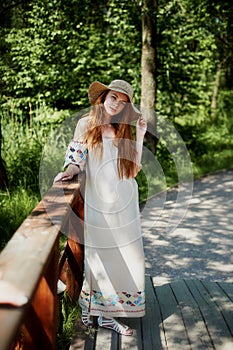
201 245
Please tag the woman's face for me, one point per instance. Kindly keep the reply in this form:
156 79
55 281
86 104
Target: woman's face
115 102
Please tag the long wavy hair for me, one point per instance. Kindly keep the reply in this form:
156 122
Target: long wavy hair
127 160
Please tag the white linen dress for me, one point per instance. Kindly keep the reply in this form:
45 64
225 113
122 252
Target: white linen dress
114 268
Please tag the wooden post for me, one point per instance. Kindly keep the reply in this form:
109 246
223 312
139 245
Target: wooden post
30 261
72 270
40 328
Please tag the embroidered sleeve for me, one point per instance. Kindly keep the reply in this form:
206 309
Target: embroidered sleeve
76 154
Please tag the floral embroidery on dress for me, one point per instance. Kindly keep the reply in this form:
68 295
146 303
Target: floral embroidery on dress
98 298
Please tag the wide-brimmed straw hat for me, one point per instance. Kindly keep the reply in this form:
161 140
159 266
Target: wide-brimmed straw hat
97 88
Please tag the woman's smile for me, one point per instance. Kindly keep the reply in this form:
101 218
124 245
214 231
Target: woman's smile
115 102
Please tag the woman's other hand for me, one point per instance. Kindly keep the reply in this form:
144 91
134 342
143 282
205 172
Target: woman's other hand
141 126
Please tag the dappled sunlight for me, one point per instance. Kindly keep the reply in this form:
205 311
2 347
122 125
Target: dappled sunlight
200 246
226 344
183 262
175 330
215 266
196 314
191 236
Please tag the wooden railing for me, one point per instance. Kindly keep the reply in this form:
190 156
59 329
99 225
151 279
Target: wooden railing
32 262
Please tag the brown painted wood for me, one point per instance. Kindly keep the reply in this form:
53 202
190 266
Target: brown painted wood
72 264
41 322
30 262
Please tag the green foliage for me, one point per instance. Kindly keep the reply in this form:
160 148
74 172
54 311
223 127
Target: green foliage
70 312
187 61
22 147
217 138
15 207
23 143
64 46
52 157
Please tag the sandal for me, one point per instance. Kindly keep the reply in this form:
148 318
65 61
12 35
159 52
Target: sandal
111 323
86 319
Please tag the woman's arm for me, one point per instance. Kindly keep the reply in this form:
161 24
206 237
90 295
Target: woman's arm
76 153
141 127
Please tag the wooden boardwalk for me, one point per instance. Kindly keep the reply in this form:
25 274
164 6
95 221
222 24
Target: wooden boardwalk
181 315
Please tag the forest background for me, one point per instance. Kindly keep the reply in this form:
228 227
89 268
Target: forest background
51 51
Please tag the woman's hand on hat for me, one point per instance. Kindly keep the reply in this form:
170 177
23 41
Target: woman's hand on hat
141 126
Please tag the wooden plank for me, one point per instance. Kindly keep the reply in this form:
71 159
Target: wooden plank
107 339
152 326
104 339
174 328
134 341
192 317
216 326
23 264
35 238
10 319
83 337
227 288
40 324
72 264
224 304
26 257
180 315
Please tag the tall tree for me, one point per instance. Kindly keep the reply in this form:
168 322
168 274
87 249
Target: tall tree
9 14
221 13
149 68
3 174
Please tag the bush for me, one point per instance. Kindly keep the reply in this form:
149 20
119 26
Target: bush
22 146
15 207
23 143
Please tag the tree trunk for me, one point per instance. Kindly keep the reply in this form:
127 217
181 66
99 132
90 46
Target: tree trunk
214 102
215 92
3 176
148 66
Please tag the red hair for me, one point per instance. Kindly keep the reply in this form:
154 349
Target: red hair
127 154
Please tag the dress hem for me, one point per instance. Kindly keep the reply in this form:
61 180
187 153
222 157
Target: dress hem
119 313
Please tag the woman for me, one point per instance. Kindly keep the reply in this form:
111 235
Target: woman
103 146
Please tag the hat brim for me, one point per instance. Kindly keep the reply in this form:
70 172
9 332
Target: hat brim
96 89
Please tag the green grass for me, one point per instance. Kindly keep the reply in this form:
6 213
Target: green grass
70 312
15 207
22 146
